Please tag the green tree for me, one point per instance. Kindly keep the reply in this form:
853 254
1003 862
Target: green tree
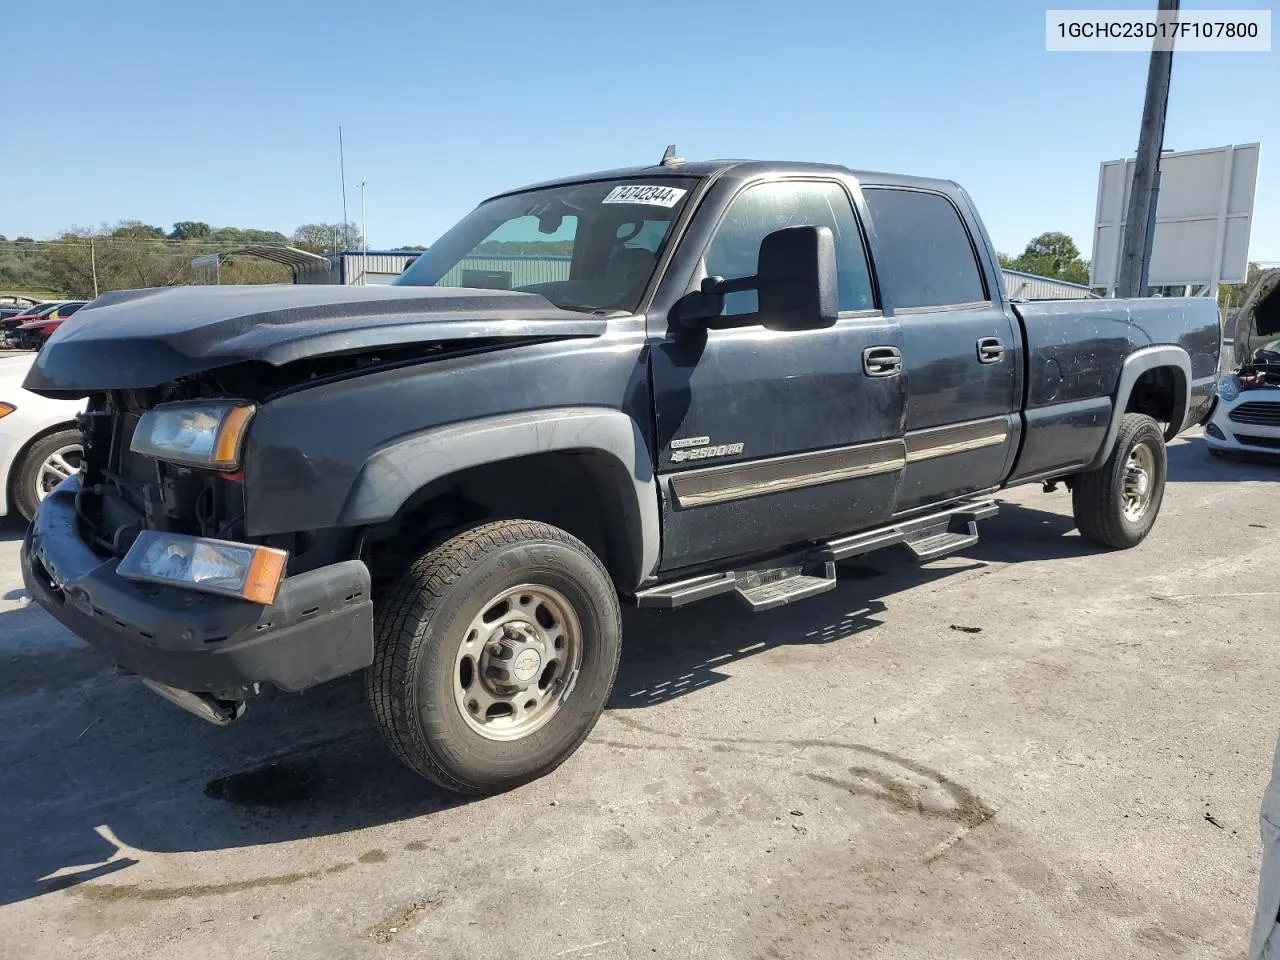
190 230
23 266
1052 254
238 235
327 237
127 256
137 230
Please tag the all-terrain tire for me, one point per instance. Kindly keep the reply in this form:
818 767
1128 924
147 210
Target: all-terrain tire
1098 498
430 612
25 489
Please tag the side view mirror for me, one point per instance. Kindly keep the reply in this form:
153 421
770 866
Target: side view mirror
795 283
796 279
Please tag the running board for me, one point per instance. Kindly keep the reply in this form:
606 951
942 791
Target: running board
963 517
806 575
931 546
769 588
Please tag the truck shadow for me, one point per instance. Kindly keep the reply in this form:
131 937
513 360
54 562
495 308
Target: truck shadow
669 653
103 772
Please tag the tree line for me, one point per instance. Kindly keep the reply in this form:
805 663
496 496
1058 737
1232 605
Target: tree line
134 254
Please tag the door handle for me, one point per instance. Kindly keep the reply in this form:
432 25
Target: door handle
882 361
990 350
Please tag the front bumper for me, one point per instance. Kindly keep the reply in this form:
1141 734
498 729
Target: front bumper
319 628
1252 434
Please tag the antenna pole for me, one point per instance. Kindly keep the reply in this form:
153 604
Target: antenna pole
342 166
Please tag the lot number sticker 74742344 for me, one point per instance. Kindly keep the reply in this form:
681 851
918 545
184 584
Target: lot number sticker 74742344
645 193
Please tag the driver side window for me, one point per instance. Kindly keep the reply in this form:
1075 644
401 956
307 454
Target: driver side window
760 210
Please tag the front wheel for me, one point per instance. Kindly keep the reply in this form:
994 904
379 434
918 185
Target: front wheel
1116 505
494 656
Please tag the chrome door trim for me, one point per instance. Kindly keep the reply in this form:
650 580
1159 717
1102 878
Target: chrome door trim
956 438
736 481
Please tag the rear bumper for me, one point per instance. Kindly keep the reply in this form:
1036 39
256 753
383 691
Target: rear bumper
319 628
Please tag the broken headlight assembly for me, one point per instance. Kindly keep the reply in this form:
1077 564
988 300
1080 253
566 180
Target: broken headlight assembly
204 433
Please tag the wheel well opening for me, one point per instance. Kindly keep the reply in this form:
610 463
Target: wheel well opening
1158 394
577 492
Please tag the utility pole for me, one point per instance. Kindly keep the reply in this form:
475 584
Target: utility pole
1135 254
93 266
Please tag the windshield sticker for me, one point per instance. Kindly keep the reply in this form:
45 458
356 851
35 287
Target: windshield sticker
645 193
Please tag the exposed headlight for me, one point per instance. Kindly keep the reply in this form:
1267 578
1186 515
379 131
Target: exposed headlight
215 566
199 434
1228 387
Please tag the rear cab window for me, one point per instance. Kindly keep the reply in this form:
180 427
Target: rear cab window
924 255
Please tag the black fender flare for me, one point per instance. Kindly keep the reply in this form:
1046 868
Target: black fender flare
1135 365
394 473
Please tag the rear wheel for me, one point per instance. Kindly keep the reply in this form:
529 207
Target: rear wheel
494 656
44 465
1117 504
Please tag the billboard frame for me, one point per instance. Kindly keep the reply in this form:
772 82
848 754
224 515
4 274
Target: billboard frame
1225 200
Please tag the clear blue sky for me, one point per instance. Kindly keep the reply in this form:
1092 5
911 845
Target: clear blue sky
228 112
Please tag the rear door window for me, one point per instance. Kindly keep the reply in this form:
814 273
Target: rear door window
924 256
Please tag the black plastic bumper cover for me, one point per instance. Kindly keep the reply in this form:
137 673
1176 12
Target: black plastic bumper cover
319 628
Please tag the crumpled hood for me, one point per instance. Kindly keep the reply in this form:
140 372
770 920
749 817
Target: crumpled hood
135 339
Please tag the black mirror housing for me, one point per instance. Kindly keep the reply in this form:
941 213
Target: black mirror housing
796 286
796 281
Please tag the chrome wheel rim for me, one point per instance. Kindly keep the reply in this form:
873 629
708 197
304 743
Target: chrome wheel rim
1139 481
517 662
60 464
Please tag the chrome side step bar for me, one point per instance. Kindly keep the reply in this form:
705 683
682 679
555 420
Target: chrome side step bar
788 579
966 515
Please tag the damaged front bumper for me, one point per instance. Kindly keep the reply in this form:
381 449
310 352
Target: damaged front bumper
217 648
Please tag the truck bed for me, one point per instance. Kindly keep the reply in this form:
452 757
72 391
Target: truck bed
1075 352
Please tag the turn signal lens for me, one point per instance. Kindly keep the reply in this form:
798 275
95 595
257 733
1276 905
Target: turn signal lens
6 409
242 570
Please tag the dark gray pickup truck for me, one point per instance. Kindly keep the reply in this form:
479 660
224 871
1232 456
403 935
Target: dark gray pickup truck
657 384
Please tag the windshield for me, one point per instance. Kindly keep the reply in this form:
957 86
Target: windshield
583 246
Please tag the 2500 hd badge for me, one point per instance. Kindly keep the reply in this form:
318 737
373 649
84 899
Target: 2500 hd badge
687 451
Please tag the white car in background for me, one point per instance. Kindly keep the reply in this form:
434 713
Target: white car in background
1246 418
39 442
